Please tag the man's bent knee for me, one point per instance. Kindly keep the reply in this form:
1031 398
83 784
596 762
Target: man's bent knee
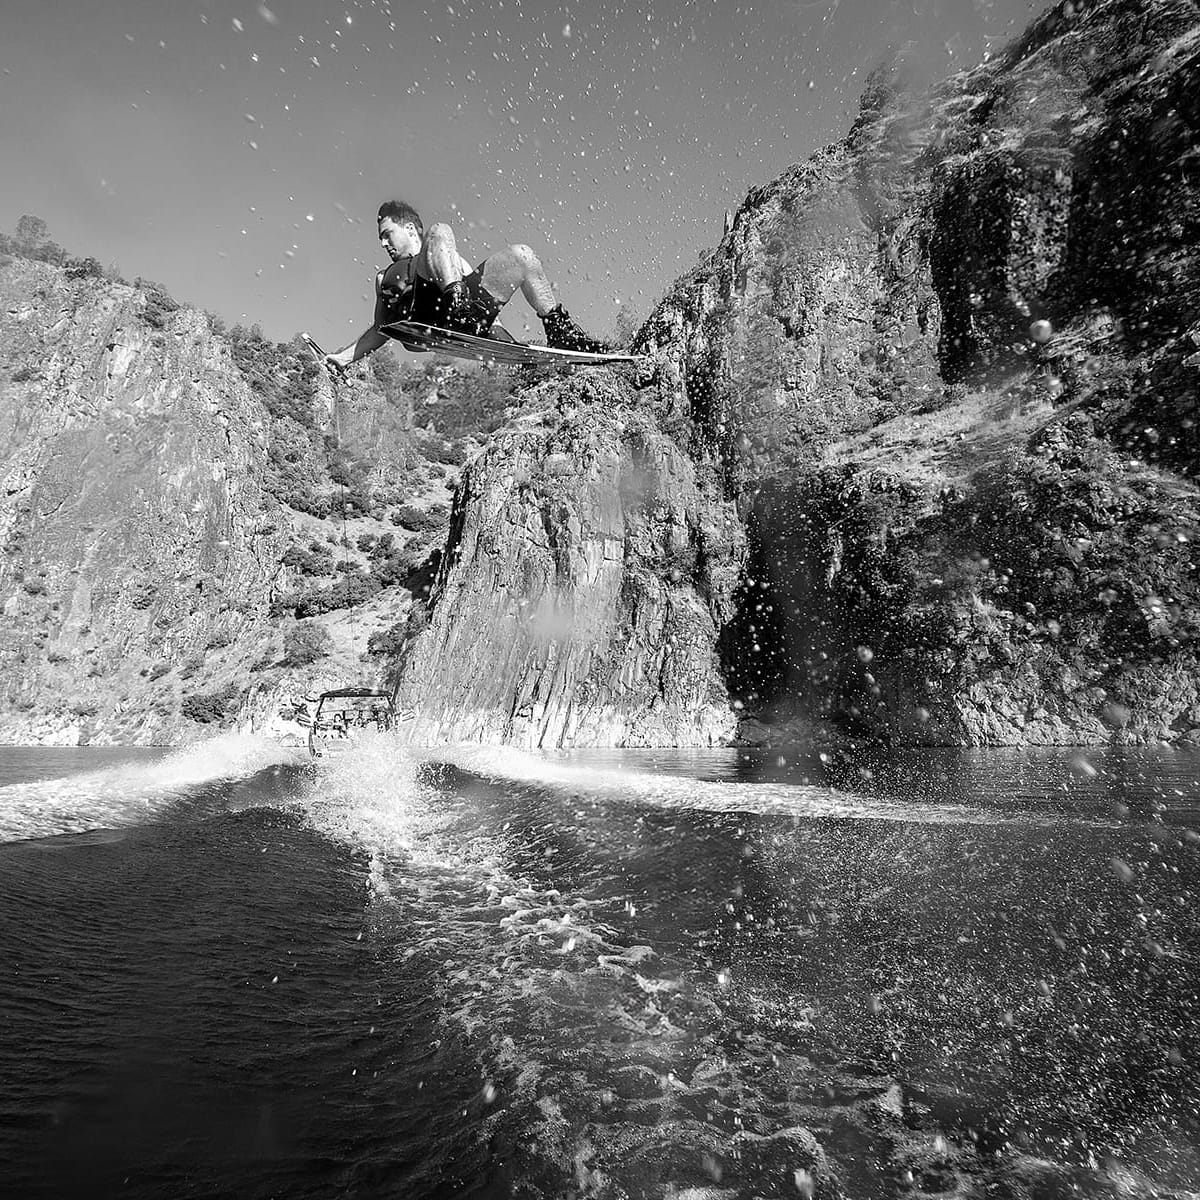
441 233
524 255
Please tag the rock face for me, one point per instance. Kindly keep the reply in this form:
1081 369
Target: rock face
915 449
588 572
135 522
144 518
949 369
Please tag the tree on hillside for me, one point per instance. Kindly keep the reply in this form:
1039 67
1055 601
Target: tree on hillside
31 240
31 230
626 327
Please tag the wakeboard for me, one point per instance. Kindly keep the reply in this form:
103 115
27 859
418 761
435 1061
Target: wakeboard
413 335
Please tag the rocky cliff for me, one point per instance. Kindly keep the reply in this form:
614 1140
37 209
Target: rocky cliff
195 527
589 570
949 367
945 373
913 450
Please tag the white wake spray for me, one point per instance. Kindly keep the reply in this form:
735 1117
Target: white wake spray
680 791
131 793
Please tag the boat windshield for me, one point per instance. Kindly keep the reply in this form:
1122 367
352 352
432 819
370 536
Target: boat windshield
347 715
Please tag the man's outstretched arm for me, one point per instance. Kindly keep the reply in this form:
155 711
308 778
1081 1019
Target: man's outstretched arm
367 342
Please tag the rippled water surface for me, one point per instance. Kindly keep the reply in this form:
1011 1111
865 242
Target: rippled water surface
484 973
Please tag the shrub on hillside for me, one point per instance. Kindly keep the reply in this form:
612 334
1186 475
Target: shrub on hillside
388 643
422 520
159 304
293 467
282 376
316 560
207 708
351 589
394 565
348 503
450 454
83 268
304 644
470 402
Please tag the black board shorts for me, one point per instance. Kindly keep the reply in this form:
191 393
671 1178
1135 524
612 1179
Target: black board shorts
427 305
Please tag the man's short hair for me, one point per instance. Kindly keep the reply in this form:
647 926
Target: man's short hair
400 212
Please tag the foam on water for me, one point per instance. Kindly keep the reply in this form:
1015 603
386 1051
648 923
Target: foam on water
369 796
585 1035
120 796
680 792
512 954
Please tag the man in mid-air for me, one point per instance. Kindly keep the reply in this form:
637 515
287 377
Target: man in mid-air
430 282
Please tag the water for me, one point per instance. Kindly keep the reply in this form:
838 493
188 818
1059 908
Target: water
484 973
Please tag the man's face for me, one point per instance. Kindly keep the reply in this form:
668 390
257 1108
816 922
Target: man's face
399 240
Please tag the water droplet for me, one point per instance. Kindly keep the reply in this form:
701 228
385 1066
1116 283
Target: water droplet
1121 869
1080 765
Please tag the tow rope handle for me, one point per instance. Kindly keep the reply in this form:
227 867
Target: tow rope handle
311 343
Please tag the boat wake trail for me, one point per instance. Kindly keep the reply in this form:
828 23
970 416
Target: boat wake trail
132 793
681 792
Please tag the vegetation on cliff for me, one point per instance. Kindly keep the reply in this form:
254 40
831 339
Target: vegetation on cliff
252 493
914 448
949 369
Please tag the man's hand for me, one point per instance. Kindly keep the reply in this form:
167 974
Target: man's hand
339 361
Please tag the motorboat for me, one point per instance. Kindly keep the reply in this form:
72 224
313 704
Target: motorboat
342 716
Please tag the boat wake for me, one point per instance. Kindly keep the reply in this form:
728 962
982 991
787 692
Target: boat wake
132 793
503 764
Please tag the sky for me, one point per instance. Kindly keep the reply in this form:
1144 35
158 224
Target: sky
238 151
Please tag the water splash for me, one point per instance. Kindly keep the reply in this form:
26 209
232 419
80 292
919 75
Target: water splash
680 792
132 793
371 796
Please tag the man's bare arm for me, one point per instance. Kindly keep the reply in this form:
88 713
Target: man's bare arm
369 341
365 344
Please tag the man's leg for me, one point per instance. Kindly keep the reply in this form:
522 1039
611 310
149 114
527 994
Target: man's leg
518 267
460 307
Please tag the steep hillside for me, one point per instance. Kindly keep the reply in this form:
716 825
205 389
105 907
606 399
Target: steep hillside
589 569
949 369
913 451
945 372
197 524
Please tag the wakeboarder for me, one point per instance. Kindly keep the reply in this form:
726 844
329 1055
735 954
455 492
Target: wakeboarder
429 282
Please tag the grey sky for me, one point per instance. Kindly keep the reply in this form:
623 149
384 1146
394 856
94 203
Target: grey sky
237 152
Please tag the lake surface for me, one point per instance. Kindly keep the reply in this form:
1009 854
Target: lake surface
709 975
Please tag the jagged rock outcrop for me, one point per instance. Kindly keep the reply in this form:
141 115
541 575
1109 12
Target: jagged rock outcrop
136 529
949 369
916 448
145 541
589 568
